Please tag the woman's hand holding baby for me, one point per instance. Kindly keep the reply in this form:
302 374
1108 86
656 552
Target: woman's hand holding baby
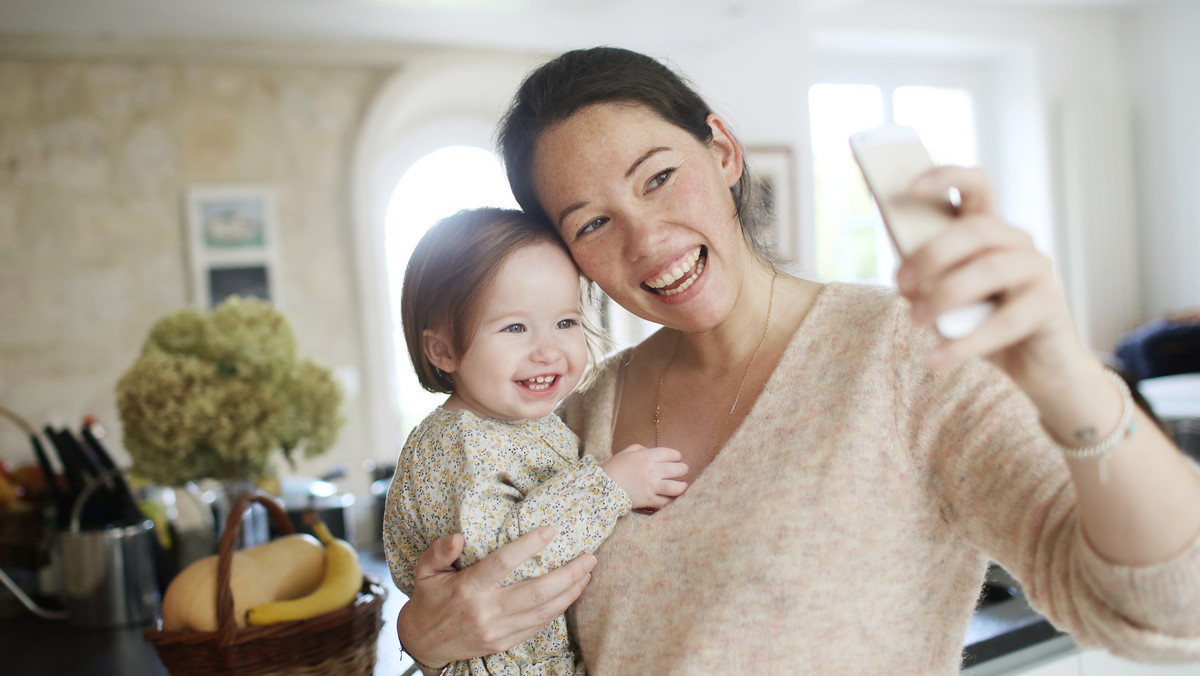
459 614
650 476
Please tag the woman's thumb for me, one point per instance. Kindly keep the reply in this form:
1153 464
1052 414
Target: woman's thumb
442 554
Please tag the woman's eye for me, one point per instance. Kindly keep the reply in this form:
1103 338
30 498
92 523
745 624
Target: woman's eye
660 178
514 328
591 225
567 323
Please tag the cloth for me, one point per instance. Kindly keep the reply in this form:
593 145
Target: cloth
493 481
846 525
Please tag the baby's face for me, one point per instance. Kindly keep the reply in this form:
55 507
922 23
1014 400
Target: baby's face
528 351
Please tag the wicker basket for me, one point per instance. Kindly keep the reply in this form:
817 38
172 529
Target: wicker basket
339 642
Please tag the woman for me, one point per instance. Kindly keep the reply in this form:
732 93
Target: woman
849 473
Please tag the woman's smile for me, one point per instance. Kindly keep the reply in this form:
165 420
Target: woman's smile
681 276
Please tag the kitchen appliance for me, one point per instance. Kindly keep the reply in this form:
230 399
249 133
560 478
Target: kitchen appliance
107 575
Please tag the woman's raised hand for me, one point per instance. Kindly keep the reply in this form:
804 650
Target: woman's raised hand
1030 333
457 615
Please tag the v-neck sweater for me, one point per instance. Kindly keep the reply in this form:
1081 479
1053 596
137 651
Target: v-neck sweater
846 525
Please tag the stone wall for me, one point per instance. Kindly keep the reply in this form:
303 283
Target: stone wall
96 155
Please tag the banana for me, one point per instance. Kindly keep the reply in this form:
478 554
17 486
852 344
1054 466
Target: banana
343 578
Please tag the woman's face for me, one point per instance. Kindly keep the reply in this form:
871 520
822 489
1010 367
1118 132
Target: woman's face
646 211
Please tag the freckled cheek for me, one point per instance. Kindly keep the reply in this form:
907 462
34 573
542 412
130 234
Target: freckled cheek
598 263
692 190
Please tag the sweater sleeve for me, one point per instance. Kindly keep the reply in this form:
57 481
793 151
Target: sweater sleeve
578 499
1007 491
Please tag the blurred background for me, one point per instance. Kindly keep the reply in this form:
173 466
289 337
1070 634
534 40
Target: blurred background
363 121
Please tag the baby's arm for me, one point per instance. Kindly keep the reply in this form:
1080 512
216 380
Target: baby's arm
650 476
579 501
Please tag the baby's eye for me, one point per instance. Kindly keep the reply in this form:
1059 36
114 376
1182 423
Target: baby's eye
591 225
514 328
660 178
567 323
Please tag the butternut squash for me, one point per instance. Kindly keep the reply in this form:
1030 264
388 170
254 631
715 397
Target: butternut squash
285 568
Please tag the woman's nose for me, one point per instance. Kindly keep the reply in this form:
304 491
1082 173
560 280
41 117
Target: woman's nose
643 234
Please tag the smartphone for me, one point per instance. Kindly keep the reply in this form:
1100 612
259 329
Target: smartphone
891 157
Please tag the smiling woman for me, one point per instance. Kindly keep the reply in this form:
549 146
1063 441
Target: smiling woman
853 503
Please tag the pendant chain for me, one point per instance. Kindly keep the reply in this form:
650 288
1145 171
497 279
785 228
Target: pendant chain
753 357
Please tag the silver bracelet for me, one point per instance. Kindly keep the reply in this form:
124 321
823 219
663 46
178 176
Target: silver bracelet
1126 426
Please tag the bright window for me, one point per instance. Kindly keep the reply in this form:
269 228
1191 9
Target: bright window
851 244
437 185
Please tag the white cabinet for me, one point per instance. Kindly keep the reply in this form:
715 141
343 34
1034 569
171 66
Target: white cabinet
1100 663
1068 660
1067 665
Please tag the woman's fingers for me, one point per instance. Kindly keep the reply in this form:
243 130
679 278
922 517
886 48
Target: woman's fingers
968 238
972 184
529 605
992 275
440 556
1014 320
496 566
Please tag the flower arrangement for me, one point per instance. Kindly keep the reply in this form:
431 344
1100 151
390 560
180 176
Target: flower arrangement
216 395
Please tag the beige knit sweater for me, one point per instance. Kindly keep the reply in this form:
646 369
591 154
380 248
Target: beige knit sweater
846 525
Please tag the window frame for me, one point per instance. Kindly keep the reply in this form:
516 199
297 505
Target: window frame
888 74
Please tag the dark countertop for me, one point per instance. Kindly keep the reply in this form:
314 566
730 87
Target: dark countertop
36 647
1002 625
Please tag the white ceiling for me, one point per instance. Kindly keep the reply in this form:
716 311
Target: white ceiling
532 24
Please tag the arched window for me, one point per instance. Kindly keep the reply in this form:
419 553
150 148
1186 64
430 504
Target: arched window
428 129
437 185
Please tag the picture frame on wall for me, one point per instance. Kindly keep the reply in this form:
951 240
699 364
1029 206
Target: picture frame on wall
233 243
773 170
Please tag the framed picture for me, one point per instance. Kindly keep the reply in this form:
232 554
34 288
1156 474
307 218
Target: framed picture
773 170
233 242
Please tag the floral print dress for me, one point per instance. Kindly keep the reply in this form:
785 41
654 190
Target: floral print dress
493 481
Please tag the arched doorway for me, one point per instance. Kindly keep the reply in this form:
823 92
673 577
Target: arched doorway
437 185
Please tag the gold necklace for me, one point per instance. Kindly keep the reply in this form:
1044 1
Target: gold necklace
741 385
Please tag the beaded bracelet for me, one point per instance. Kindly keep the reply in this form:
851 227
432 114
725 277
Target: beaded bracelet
1126 427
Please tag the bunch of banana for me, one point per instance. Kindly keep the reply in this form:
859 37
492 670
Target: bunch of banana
343 578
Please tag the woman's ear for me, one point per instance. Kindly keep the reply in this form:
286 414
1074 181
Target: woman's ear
438 350
727 149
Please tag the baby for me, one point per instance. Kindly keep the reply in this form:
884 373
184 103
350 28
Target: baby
491 315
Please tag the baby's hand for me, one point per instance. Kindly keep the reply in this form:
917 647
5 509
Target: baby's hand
648 475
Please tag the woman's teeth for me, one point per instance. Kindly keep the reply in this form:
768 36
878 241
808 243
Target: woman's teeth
540 382
688 270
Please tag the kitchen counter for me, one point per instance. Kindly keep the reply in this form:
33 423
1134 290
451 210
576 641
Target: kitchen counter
1003 628
35 647
1004 625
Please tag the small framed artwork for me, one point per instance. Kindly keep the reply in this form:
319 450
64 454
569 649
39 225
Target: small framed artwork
233 241
773 170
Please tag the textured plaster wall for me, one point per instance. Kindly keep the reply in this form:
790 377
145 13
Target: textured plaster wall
95 159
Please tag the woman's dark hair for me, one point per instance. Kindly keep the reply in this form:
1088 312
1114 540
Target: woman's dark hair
450 270
577 79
